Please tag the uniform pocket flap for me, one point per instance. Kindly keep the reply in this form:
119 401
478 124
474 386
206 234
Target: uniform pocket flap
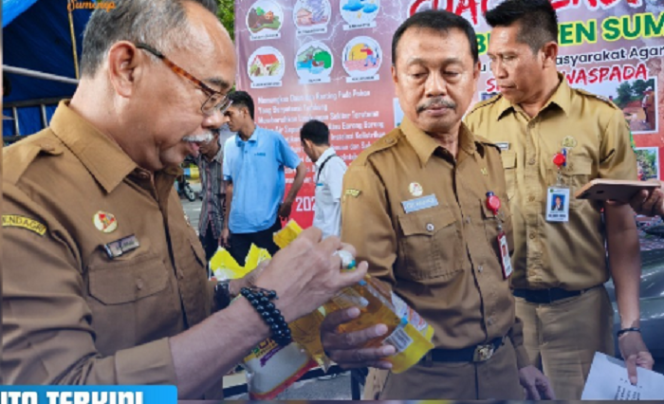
128 281
580 166
503 213
426 222
509 159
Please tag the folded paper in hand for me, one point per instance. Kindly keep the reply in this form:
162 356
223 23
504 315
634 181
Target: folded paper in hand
608 380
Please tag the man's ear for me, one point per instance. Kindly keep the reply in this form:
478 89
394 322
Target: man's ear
125 64
550 54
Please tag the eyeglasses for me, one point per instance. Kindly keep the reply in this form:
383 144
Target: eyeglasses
216 100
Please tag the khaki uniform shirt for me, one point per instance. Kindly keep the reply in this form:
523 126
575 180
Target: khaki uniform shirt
442 260
567 255
72 315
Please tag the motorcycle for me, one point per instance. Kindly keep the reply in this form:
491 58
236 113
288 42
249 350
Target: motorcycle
184 189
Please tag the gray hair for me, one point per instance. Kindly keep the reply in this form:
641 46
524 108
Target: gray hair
162 24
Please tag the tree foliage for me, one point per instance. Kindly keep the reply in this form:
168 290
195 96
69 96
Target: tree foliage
226 15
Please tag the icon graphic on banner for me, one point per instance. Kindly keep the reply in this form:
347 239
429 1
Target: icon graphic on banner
264 20
359 13
362 59
266 67
311 16
314 63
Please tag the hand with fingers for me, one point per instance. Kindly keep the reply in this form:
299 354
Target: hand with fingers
635 353
307 273
347 349
649 203
535 384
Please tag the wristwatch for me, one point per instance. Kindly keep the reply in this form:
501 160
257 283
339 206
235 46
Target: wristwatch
222 294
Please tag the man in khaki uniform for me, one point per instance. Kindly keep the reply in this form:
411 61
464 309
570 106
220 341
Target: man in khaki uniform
104 280
415 207
559 259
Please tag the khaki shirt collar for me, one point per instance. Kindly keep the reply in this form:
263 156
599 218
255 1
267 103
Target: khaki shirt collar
426 145
562 97
100 155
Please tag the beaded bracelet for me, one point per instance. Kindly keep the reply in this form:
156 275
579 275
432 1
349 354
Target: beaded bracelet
261 300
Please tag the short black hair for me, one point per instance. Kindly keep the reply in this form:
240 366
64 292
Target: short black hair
317 132
437 20
242 99
537 18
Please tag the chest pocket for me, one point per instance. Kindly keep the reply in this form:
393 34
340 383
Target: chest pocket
431 245
509 165
577 174
135 295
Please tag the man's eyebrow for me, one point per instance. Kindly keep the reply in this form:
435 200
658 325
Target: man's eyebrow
423 61
219 82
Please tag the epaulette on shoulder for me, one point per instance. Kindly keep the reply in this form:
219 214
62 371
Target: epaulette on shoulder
17 158
485 103
487 142
597 96
384 143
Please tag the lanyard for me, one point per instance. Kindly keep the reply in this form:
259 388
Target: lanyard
320 170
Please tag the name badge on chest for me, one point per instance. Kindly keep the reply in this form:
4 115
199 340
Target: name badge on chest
117 248
422 203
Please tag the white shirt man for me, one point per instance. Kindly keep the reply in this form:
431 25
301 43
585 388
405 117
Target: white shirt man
328 177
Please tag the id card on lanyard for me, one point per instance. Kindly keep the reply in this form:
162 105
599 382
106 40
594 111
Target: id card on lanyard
558 195
493 203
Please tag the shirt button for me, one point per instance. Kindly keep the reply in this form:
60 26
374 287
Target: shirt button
532 236
180 274
489 321
531 198
430 227
139 284
467 219
531 161
480 268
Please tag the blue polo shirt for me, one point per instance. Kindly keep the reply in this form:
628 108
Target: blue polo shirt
256 168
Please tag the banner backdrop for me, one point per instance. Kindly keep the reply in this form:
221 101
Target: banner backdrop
330 60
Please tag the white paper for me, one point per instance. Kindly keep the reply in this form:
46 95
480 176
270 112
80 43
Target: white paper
608 380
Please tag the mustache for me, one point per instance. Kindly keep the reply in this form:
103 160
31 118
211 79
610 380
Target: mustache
200 138
438 102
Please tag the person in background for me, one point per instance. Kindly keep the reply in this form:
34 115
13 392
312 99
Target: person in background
328 176
254 170
555 139
211 222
